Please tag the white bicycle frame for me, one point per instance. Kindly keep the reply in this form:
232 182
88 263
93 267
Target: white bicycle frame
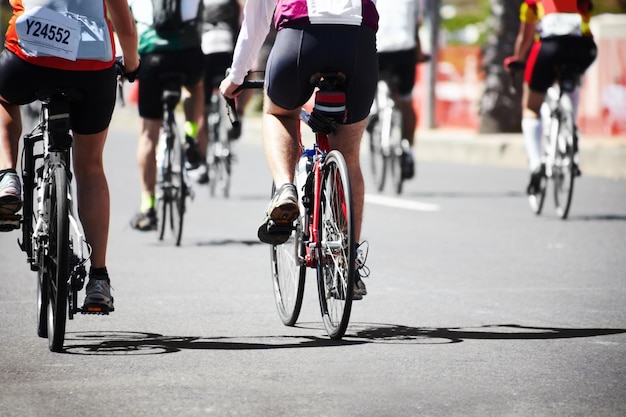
553 102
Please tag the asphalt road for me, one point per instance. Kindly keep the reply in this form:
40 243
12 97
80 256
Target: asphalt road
476 307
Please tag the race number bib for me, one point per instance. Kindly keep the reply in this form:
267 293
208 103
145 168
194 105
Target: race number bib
42 31
561 24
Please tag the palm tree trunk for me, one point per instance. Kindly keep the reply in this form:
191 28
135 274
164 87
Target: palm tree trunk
500 107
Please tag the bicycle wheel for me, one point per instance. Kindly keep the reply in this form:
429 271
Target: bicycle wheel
336 249
219 152
378 161
172 204
221 170
57 258
563 172
395 151
289 273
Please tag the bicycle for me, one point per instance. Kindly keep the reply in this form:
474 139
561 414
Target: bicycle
559 142
219 152
385 139
52 235
172 182
322 238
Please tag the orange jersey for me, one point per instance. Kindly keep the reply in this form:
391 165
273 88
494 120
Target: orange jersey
75 37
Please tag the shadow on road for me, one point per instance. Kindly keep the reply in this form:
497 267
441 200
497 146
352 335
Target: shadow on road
599 217
139 343
390 333
465 194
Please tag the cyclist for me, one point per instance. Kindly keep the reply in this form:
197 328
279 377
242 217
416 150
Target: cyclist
399 51
551 32
31 63
220 25
176 50
312 37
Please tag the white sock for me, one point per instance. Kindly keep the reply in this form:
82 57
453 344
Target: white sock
531 128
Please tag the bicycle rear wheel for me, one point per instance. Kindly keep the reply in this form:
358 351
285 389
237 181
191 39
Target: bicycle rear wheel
220 169
563 172
288 276
395 151
336 248
378 160
219 152
172 201
55 282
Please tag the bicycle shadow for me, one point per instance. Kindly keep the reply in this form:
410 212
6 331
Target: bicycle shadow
143 343
598 217
465 194
228 242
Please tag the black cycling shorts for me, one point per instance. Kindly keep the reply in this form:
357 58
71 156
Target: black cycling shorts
215 66
399 67
547 54
297 54
20 80
189 63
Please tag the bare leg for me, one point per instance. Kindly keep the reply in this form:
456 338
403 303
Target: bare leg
10 131
146 155
93 193
280 141
409 119
348 142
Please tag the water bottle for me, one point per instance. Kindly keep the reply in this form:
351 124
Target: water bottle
305 164
160 157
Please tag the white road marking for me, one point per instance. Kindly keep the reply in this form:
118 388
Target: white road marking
382 200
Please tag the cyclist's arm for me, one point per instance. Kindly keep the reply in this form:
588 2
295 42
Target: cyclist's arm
257 17
124 26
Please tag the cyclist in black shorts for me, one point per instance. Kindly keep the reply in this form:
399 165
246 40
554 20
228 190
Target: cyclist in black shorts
399 51
543 45
179 52
28 67
308 41
219 27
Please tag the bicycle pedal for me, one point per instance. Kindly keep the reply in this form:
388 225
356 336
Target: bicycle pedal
10 222
279 228
96 309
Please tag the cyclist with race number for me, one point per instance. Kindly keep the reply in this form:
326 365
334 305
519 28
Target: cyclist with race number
33 61
552 32
312 37
219 27
166 48
399 51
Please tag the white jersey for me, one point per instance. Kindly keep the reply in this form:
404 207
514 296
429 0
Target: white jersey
397 24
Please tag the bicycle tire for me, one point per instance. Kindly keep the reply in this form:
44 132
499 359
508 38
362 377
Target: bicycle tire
173 190
57 257
289 273
395 151
336 246
563 171
378 161
219 156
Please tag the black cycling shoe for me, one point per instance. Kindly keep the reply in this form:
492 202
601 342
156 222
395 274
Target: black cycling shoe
534 185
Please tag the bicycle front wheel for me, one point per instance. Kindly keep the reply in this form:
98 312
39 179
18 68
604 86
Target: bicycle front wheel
563 172
57 258
336 246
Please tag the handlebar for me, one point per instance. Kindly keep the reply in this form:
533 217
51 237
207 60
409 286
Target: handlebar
231 108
